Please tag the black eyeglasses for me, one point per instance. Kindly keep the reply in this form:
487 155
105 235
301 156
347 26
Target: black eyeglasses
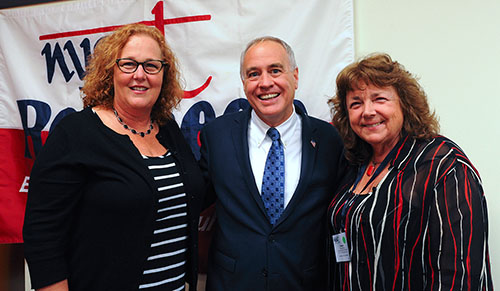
129 66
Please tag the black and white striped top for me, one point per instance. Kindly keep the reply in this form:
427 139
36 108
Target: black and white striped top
165 266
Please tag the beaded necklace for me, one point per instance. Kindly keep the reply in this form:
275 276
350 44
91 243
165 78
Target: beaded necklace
140 133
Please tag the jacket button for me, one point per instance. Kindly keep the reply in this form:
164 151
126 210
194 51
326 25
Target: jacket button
264 272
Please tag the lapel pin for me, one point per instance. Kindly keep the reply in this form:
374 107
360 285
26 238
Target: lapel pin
313 143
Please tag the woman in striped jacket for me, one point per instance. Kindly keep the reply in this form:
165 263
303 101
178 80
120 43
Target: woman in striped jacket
410 213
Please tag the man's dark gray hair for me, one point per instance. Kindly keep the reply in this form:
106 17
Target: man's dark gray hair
288 49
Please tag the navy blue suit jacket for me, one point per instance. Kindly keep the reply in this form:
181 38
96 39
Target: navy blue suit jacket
247 252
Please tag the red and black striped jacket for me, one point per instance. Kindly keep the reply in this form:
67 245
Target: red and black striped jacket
423 227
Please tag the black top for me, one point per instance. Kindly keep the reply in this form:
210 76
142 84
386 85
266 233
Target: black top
424 227
91 206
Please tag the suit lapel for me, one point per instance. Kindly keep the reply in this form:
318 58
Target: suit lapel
310 144
239 134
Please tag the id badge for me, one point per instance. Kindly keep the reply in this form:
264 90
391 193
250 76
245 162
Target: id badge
341 248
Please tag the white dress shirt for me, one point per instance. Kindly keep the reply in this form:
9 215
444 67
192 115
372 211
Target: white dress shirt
259 144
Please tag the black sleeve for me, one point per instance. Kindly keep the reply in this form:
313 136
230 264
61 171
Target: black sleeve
53 197
204 165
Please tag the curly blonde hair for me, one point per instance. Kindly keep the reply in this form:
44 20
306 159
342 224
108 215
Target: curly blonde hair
381 71
98 88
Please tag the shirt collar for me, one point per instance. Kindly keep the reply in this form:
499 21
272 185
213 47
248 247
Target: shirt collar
260 128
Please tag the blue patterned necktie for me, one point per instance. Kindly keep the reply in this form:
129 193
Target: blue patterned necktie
273 181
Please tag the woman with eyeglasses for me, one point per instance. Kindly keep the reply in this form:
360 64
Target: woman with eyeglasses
115 193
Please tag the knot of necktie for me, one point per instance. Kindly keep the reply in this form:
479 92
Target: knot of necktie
273 133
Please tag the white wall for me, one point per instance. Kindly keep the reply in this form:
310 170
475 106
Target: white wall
454 47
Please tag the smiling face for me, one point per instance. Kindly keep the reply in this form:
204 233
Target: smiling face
269 82
375 115
138 91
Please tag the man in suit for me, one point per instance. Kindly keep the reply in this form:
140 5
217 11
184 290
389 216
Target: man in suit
270 237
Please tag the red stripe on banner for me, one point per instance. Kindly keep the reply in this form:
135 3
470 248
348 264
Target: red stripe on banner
196 92
14 170
111 28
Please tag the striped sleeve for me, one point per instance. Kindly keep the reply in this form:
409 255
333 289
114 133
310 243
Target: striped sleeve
457 228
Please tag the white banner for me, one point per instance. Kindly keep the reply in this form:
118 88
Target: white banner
43 51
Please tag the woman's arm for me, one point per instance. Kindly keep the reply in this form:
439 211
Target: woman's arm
457 245
55 186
